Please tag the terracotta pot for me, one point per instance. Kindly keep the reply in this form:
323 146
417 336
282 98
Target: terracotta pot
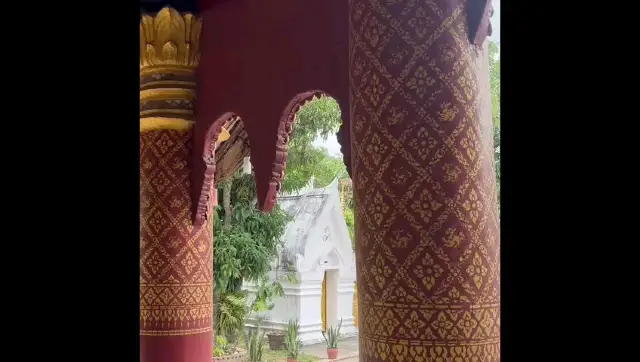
332 353
292 360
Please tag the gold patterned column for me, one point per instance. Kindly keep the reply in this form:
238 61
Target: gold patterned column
176 256
427 237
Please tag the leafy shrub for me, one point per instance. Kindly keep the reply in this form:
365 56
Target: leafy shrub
222 347
332 335
292 341
255 343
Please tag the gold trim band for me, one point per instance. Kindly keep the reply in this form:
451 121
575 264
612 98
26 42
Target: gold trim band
167 69
177 112
162 94
183 332
161 123
158 83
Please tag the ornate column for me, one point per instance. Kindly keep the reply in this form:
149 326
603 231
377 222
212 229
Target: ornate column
422 164
176 254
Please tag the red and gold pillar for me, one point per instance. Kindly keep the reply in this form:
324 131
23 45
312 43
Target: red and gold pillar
426 216
176 255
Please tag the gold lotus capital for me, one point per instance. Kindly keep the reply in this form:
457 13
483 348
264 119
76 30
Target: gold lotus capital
169 40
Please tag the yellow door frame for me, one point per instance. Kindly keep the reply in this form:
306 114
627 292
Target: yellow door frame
323 303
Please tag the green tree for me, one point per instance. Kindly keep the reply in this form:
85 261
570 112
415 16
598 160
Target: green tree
496 144
494 74
318 118
245 242
321 165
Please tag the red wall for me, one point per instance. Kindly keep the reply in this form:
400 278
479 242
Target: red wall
257 55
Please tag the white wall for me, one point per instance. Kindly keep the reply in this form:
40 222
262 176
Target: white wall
327 248
303 302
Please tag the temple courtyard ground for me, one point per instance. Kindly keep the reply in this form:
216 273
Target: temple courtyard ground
348 352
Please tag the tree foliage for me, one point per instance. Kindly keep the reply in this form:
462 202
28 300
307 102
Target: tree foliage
318 118
494 74
494 77
349 219
496 143
244 246
244 250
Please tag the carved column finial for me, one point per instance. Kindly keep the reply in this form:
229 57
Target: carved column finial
169 40
169 56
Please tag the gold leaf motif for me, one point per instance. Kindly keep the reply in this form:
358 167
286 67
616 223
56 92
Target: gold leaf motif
421 23
425 205
380 271
378 208
169 38
477 271
442 325
470 144
451 173
400 239
396 116
473 206
423 143
447 112
189 262
401 176
428 272
452 239
414 323
376 149
375 90
373 31
467 324
420 82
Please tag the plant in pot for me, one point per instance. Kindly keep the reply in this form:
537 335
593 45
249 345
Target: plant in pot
331 336
292 341
267 291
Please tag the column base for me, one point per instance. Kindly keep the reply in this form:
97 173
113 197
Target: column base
191 348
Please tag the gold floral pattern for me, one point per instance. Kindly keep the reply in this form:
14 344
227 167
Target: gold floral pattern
176 259
380 271
427 241
473 206
477 270
425 205
420 82
423 143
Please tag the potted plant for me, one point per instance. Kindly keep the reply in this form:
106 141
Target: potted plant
267 291
331 337
292 341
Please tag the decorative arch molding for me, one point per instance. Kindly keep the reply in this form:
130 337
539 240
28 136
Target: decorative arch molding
285 128
331 260
479 13
227 128
314 57
344 139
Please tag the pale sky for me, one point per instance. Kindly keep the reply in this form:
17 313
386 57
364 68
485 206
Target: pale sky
332 144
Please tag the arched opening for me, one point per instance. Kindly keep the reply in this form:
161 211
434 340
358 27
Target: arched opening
307 178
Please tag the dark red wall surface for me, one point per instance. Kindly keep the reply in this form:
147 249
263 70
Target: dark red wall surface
257 56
